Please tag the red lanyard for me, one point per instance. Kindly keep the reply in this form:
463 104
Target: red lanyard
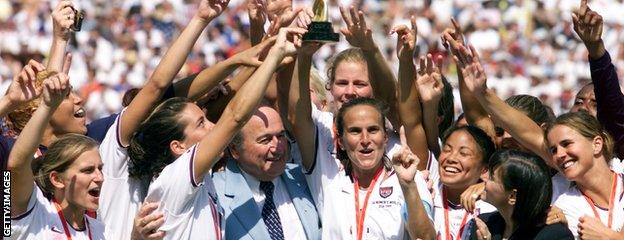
446 218
359 217
59 211
216 218
611 202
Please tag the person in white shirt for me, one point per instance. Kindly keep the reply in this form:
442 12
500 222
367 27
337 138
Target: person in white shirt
593 206
189 145
68 177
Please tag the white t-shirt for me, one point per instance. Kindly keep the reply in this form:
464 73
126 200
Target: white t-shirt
334 192
561 184
456 216
190 208
574 205
42 221
120 196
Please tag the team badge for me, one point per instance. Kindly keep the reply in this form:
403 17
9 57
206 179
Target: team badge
385 192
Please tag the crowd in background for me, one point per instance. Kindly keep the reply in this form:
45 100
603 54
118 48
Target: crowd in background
527 47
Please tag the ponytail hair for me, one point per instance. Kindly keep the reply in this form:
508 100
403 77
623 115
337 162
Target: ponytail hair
149 149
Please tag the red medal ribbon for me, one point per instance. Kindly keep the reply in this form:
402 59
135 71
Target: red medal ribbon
611 202
446 218
216 218
359 217
59 211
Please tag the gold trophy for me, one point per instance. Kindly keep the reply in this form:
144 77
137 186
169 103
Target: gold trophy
321 30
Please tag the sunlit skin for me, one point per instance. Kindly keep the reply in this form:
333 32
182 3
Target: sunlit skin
197 126
364 138
78 188
573 154
350 81
69 117
265 148
585 100
459 161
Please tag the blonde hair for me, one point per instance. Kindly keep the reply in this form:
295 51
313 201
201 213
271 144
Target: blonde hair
317 84
588 127
20 116
60 155
348 55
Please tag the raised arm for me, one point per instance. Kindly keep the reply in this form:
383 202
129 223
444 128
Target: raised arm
55 89
382 79
23 88
410 112
520 126
62 20
430 92
418 222
167 69
588 25
473 111
242 106
300 105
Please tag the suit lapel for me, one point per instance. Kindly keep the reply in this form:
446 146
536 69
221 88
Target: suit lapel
242 204
302 201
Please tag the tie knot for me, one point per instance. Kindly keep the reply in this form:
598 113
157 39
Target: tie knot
267 187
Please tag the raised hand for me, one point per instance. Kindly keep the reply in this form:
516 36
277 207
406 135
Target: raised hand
252 56
24 88
55 89
63 19
455 33
405 162
256 12
429 80
287 42
588 25
470 64
357 32
210 9
406 40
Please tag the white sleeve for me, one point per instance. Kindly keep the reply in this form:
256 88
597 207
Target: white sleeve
175 187
114 154
425 195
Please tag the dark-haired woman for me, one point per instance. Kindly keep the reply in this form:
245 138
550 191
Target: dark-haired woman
179 155
519 187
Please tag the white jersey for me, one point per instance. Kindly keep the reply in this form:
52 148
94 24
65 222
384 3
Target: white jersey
458 217
42 221
120 196
190 208
574 205
560 184
334 194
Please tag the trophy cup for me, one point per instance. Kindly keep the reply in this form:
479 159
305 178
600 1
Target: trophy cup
321 30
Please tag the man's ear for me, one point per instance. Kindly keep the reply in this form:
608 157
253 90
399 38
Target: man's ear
177 147
234 152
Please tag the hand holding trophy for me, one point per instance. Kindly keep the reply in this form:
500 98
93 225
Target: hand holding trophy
321 30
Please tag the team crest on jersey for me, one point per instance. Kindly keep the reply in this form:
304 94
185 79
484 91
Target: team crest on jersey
385 192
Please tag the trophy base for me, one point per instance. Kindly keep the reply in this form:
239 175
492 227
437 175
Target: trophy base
321 32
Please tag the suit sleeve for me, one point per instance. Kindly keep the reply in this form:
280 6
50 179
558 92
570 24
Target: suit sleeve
609 99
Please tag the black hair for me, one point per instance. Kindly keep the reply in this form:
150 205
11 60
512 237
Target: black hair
485 143
149 149
529 176
378 105
446 108
532 107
